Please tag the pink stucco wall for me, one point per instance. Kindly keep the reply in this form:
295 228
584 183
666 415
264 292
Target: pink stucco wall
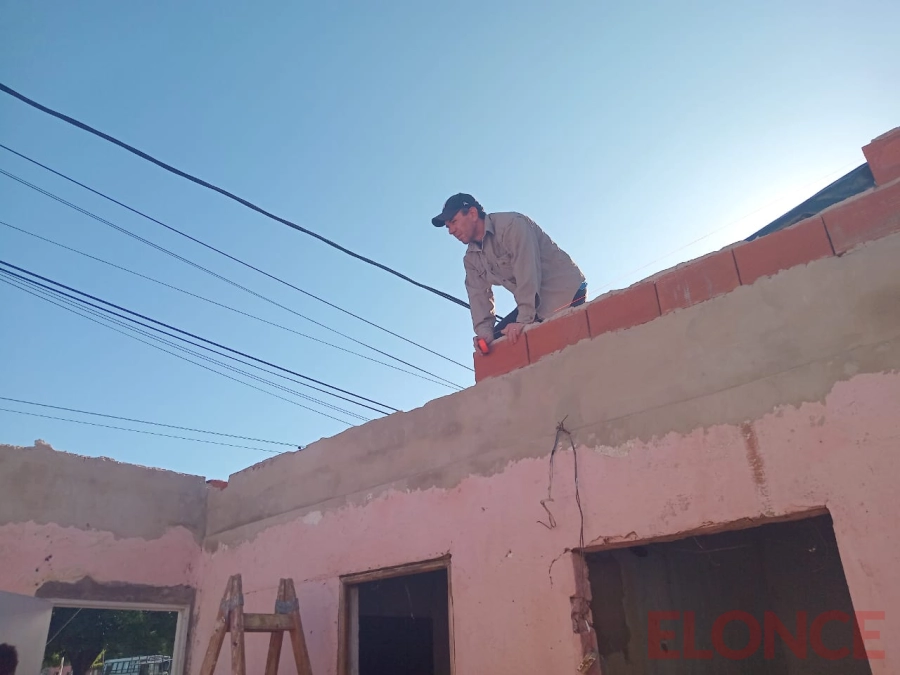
94 528
840 454
33 554
777 399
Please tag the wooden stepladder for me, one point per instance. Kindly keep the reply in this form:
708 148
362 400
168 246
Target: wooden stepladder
232 619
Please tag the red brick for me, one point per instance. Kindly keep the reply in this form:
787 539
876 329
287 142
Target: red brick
220 484
631 307
883 156
697 281
557 333
794 245
871 215
504 358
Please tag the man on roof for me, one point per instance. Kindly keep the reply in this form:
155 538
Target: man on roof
510 250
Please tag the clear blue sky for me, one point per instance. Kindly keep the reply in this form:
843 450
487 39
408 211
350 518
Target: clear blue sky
626 130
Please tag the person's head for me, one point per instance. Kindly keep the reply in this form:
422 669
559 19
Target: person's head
463 217
9 659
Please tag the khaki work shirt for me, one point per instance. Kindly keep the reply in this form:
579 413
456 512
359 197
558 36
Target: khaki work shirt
518 255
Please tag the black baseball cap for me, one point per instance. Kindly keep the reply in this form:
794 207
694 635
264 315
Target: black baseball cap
454 205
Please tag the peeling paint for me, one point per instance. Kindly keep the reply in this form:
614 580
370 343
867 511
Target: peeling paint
682 484
313 518
785 340
776 401
618 451
60 488
68 554
757 468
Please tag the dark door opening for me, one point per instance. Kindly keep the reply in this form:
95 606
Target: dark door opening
391 644
402 625
768 600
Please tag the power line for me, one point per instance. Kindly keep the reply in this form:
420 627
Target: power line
105 317
84 311
196 337
162 249
156 424
219 304
138 431
204 347
203 183
106 314
227 255
71 619
104 320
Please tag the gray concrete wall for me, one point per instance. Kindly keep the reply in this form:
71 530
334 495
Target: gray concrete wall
783 340
43 486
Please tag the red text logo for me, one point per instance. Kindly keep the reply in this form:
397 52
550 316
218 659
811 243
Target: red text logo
806 638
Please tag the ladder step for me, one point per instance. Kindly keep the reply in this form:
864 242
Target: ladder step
232 619
266 623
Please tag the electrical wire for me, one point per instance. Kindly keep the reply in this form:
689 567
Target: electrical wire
102 321
231 257
227 255
551 523
197 337
85 127
162 249
222 305
138 431
106 314
577 489
71 618
179 337
156 424
66 303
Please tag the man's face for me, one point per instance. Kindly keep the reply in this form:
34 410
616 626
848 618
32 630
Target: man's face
464 225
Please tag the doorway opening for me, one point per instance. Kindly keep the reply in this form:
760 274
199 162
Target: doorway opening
770 599
97 640
397 621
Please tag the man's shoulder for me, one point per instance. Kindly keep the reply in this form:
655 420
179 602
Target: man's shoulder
507 216
507 220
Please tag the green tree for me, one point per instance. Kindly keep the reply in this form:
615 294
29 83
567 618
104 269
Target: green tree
81 635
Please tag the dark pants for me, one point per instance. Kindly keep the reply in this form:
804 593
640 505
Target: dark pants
580 296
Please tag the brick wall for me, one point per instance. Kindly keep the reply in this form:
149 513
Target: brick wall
865 217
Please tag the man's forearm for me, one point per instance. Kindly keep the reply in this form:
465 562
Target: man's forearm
481 302
527 310
527 267
485 329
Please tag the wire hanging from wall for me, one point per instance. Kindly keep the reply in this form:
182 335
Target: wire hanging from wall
551 524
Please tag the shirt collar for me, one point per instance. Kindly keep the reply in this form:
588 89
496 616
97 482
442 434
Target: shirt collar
488 228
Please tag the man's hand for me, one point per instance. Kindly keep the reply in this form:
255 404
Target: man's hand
513 331
475 343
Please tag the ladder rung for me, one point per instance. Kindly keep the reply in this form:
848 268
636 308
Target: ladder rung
266 623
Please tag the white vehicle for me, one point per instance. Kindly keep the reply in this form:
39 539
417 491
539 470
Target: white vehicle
138 665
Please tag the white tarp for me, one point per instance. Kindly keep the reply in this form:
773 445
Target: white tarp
24 622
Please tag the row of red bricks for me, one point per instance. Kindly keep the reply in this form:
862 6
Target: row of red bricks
865 217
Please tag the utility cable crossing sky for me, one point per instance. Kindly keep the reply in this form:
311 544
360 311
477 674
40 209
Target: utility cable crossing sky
178 172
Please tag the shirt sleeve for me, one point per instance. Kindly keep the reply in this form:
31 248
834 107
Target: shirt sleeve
521 240
481 301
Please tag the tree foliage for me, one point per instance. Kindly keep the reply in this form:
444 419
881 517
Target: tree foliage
81 635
